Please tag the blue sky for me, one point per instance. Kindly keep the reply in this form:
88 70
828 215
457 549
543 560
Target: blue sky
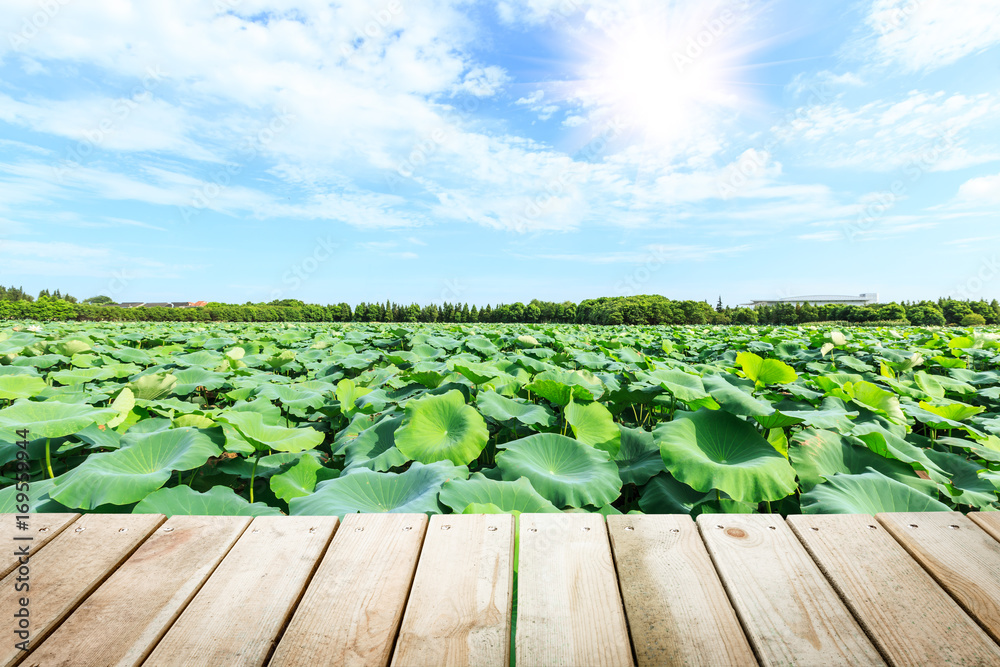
451 150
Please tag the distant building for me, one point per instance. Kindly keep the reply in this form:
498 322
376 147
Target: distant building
162 304
823 300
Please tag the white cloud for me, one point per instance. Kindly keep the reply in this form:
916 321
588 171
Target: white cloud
484 81
924 35
924 131
532 99
981 190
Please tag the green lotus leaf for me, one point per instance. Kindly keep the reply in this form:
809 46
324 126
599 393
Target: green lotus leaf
483 346
685 386
142 465
153 386
665 495
868 493
50 419
953 410
80 376
415 491
194 421
962 481
375 447
716 450
639 458
41 361
508 497
567 472
818 455
70 347
503 409
560 386
478 373
131 355
185 501
300 480
442 428
38 498
252 427
874 398
99 438
593 424
190 379
480 508
296 399
347 393
20 386
728 391
765 372
123 405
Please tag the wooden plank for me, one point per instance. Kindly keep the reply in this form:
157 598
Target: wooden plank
960 556
124 619
676 607
41 529
237 616
988 521
791 614
460 604
908 616
569 610
351 612
68 569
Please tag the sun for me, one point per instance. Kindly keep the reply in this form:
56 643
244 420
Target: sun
664 73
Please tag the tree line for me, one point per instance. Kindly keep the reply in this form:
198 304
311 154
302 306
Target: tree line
15 303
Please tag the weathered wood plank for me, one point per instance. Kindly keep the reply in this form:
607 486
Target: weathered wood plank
41 529
569 609
352 609
908 616
124 619
459 608
68 569
988 521
960 556
791 614
236 617
676 606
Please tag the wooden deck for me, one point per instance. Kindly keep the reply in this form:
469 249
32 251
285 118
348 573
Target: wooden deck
403 589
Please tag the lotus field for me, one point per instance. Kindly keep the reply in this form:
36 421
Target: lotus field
336 419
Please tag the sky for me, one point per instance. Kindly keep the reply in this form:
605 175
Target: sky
500 151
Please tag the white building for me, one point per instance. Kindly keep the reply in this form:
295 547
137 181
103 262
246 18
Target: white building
822 300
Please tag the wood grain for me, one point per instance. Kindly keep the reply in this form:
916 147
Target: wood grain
988 521
124 619
677 608
41 529
908 616
459 609
69 568
351 612
237 616
569 608
960 556
791 614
